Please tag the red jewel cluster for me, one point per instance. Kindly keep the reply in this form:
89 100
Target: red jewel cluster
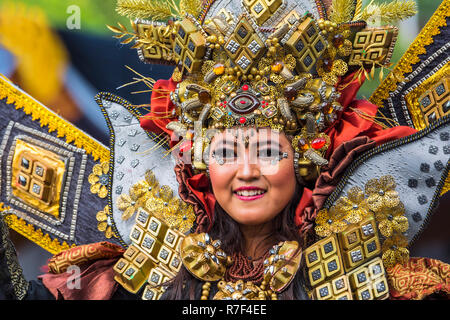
316 144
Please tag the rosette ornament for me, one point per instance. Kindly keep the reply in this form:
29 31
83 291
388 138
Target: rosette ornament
203 257
239 290
381 193
282 265
99 179
353 207
395 251
392 220
328 222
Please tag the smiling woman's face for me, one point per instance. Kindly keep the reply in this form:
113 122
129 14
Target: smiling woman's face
252 173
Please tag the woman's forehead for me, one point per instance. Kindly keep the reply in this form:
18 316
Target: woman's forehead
248 134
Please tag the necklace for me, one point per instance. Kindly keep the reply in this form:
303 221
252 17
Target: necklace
237 277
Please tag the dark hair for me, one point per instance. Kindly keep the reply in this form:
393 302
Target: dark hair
185 286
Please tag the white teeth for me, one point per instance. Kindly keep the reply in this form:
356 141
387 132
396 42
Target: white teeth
249 193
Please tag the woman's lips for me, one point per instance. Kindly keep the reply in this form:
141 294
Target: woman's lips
249 198
249 193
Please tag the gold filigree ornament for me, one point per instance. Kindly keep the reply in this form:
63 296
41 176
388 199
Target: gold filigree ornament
328 222
282 265
330 70
395 251
129 203
203 257
147 188
239 290
99 179
353 207
104 225
381 193
181 219
392 220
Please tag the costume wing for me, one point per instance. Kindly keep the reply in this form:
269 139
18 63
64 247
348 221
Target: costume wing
52 180
416 93
419 176
133 152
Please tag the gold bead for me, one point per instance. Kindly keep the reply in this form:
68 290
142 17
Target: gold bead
204 298
254 71
205 293
212 39
258 77
217 46
244 77
330 29
272 50
239 74
275 40
250 77
212 46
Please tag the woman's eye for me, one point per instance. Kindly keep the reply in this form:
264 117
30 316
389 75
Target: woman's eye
268 153
225 153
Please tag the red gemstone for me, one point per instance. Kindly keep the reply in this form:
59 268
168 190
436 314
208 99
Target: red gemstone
186 146
242 120
318 143
245 87
243 102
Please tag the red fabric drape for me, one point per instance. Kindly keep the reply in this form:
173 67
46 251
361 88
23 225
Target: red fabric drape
161 109
96 278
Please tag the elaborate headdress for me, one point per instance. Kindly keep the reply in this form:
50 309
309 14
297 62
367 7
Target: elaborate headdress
261 63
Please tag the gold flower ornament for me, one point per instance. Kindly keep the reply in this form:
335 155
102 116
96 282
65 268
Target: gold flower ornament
99 179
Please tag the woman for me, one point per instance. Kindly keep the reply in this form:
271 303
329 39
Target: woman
263 121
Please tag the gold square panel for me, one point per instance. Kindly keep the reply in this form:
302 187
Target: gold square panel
374 44
37 177
323 261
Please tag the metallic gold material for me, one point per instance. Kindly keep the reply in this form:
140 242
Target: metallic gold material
203 257
281 267
373 45
431 99
37 177
323 261
236 291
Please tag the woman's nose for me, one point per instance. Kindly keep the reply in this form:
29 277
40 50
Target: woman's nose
248 167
